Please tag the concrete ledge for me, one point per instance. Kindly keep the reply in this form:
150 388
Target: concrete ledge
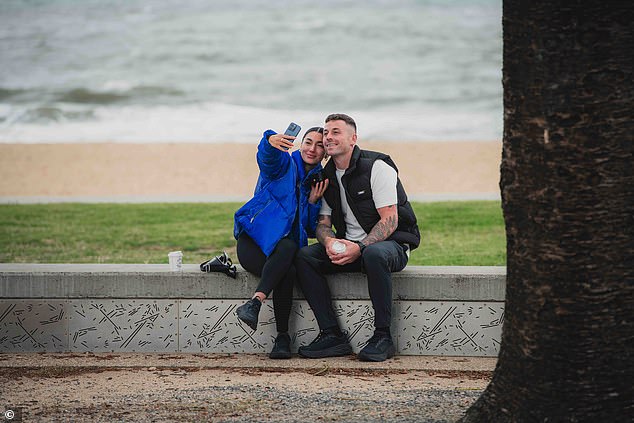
455 311
454 283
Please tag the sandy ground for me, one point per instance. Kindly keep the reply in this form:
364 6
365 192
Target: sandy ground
238 387
219 170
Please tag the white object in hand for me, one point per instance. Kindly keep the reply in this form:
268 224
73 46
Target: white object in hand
176 261
338 247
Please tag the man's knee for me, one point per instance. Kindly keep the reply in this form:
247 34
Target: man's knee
306 254
301 255
374 255
311 255
386 255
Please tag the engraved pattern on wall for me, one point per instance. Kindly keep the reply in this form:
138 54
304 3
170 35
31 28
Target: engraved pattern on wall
211 325
123 325
450 328
419 327
33 326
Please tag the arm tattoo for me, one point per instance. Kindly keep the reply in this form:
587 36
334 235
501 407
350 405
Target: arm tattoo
323 231
382 230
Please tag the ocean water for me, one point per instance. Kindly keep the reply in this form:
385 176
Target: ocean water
216 71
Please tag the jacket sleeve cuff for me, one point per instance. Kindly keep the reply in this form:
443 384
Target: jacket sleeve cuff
267 134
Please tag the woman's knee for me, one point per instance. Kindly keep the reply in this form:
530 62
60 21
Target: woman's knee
286 246
250 256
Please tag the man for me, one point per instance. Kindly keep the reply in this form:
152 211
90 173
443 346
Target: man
368 207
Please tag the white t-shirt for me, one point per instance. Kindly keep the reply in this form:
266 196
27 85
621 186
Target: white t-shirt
383 184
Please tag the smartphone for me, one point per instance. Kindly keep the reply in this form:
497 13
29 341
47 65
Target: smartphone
293 129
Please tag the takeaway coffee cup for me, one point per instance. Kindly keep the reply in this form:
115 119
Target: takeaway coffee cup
338 247
176 261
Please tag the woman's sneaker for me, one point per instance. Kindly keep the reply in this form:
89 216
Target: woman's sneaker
327 344
282 347
249 311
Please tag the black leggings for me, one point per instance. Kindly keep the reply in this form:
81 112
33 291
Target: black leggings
276 272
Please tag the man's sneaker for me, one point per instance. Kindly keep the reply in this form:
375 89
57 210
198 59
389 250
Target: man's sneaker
282 347
326 345
379 348
248 312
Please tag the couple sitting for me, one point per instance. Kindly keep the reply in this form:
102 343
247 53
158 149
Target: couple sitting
361 196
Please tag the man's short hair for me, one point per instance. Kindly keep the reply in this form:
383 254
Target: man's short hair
345 118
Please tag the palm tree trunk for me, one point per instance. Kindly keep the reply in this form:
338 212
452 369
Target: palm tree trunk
567 183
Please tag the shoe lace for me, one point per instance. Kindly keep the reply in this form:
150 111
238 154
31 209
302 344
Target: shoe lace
322 335
375 339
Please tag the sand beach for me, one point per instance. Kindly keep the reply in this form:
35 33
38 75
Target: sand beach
219 171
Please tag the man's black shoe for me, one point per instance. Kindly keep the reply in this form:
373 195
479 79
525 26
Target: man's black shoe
379 348
326 345
282 347
248 312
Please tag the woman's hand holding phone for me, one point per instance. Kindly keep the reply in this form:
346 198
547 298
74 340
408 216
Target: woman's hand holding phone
284 142
281 142
317 191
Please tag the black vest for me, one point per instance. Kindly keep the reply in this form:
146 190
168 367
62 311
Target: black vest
356 181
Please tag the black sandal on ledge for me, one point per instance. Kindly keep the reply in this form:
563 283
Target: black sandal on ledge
221 263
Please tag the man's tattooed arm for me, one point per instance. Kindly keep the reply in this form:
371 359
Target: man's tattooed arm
384 227
324 229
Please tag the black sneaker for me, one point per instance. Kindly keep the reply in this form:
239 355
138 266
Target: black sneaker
282 347
248 312
326 345
379 348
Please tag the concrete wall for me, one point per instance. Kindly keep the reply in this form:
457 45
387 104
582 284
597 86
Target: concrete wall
455 311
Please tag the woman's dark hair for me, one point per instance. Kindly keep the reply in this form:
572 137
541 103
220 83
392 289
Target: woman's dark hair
318 129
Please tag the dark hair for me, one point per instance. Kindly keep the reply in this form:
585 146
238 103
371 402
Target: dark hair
345 118
318 129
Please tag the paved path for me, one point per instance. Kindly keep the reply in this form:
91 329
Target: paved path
239 387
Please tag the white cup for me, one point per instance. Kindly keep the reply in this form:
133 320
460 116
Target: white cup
338 247
176 261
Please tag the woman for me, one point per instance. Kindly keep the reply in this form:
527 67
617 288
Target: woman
276 222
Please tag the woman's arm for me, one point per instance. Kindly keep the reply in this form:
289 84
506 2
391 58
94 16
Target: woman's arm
273 160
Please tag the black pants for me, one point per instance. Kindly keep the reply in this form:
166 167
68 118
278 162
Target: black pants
276 272
378 262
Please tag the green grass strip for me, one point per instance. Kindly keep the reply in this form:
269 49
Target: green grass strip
469 233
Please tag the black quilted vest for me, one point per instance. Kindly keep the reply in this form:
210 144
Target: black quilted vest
356 181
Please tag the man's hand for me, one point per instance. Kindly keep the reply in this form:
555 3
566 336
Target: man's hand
380 232
317 191
352 253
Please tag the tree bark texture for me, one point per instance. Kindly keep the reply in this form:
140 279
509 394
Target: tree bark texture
567 185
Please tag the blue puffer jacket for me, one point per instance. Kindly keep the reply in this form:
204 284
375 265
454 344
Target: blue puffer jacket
269 215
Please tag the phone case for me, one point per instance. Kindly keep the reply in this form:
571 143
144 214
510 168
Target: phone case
293 129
